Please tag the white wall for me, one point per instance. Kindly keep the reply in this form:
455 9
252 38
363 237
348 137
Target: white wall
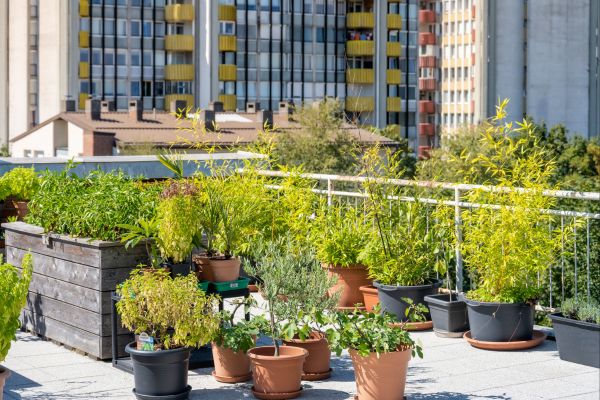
41 140
3 72
18 68
75 141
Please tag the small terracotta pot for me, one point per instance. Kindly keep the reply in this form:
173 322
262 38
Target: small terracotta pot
277 377
219 269
349 280
317 363
380 378
230 367
370 297
4 374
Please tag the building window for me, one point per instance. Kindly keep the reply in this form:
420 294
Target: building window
227 28
147 88
122 27
135 89
109 27
135 58
122 57
147 29
84 55
159 29
121 87
159 88
134 28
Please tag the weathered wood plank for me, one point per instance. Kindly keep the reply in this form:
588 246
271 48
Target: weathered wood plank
80 296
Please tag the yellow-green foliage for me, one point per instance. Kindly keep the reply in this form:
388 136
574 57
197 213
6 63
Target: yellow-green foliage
172 310
13 292
19 184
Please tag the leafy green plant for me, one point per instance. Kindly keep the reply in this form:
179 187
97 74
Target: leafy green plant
21 184
171 310
146 232
241 335
14 290
582 310
369 332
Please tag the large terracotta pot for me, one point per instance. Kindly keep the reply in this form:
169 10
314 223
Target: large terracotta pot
14 208
218 269
380 378
277 377
349 280
230 367
4 374
317 363
370 296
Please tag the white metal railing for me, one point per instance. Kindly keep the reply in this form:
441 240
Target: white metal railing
328 181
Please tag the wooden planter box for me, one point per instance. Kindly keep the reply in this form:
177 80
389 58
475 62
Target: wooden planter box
69 296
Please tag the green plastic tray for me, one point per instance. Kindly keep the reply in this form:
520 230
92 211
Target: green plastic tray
203 285
241 283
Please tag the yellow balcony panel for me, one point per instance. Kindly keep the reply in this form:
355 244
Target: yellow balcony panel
394 77
227 43
179 13
360 47
188 98
394 21
360 20
82 98
179 43
84 8
179 72
394 49
394 104
227 72
227 13
84 39
84 70
360 75
229 101
360 104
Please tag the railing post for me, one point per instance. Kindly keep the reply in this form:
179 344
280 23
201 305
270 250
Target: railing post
329 191
457 226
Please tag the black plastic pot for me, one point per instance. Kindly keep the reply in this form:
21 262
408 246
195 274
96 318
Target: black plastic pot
390 297
160 374
500 322
577 341
449 315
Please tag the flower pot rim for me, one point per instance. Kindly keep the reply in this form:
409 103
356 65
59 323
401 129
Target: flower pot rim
476 303
130 348
435 283
559 317
368 289
320 337
408 349
300 353
334 266
441 299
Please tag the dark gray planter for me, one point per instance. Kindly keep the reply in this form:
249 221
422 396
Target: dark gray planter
449 315
390 297
160 374
500 322
577 341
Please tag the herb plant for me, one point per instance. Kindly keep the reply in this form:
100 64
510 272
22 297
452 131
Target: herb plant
239 336
587 311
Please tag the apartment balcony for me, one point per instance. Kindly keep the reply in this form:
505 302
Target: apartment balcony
426 107
84 39
360 104
82 99
427 38
426 129
84 70
227 43
427 84
84 8
394 76
427 62
394 21
360 20
227 13
360 47
360 76
394 49
227 72
229 101
179 43
179 72
426 16
393 104
188 98
179 13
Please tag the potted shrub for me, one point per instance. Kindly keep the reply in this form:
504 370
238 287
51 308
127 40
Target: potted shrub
231 344
170 315
380 350
14 290
577 331
18 187
339 236
276 370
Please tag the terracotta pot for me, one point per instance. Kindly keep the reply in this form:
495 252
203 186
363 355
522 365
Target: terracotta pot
380 378
317 363
230 367
15 208
349 280
217 269
370 297
4 374
277 377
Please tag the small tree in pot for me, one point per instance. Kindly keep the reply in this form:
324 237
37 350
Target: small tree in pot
174 316
14 289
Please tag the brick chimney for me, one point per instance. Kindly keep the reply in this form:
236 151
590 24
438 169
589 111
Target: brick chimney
68 105
136 110
107 106
92 109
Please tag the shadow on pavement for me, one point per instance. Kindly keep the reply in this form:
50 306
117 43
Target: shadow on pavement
451 396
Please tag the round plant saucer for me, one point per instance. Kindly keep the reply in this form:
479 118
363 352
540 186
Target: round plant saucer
351 309
179 396
317 377
276 396
232 379
356 397
536 340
